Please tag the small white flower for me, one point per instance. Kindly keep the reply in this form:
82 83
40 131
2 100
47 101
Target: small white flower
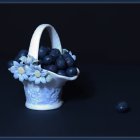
72 55
19 71
37 74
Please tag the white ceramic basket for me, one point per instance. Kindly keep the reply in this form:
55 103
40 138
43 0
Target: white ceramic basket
45 96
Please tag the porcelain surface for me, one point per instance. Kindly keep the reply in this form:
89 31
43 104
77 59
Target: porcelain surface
41 96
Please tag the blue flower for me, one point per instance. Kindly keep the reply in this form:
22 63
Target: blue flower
37 74
49 78
27 60
19 71
72 55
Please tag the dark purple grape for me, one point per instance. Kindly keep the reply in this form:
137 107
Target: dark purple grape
61 72
47 60
52 68
43 51
66 54
71 71
60 62
122 107
69 60
55 53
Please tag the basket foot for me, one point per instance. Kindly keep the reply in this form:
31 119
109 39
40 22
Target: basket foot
44 107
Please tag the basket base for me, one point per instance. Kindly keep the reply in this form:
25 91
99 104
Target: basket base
44 107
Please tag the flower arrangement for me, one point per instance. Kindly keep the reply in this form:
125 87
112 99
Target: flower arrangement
26 67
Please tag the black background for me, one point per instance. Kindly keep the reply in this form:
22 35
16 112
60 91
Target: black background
106 40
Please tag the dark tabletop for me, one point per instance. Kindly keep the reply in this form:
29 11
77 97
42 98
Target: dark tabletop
105 39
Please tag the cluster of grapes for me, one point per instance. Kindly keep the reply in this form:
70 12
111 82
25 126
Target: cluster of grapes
53 60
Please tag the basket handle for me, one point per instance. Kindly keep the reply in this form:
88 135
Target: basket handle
35 40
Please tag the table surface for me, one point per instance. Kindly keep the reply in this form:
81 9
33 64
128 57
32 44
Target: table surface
88 110
105 39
